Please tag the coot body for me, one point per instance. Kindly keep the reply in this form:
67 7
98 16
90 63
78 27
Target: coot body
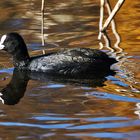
70 62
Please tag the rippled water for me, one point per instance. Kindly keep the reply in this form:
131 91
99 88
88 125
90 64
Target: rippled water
57 109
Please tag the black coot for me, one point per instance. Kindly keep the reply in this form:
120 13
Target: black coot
71 62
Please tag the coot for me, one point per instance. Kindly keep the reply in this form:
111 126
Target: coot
70 62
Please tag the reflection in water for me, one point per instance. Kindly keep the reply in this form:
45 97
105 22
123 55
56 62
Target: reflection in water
126 74
15 90
73 112
120 55
12 93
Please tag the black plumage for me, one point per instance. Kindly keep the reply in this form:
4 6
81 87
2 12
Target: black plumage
70 62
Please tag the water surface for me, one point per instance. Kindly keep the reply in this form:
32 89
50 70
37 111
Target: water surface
103 108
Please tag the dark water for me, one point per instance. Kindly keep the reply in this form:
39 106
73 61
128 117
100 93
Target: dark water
105 107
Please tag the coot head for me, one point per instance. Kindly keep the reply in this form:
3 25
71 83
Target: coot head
14 44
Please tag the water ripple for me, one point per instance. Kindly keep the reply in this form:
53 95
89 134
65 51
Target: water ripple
43 126
107 125
105 95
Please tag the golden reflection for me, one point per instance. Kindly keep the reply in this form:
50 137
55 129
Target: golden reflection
128 69
120 55
71 100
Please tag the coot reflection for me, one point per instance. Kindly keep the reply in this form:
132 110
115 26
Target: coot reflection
15 90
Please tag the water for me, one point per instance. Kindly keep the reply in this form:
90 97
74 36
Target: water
58 109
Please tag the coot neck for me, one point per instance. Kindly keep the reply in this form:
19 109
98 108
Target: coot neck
21 57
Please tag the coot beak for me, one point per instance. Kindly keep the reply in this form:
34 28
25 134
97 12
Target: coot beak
2 41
